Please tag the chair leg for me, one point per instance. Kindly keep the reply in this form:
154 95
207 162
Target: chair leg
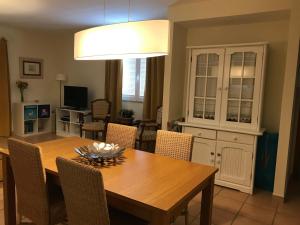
186 216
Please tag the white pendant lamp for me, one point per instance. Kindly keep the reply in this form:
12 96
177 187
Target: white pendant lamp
125 40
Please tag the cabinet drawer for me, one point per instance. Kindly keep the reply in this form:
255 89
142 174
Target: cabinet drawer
236 137
199 132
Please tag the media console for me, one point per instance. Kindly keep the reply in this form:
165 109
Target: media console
68 121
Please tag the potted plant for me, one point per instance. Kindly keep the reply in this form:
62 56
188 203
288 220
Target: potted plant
126 113
22 85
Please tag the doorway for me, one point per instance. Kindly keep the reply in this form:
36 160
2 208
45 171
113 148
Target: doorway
294 155
5 112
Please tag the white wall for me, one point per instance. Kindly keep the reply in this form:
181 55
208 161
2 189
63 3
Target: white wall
90 74
283 158
33 44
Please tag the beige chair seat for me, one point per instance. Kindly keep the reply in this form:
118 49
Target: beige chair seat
148 135
93 126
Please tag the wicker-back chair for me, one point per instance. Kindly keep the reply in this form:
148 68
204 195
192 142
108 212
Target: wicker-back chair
36 200
173 144
100 111
122 135
84 193
177 146
85 196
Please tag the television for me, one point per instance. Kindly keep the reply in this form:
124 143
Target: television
75 97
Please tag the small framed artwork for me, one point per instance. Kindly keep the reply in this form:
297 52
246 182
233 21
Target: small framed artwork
31 68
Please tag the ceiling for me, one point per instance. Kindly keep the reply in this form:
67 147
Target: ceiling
64 14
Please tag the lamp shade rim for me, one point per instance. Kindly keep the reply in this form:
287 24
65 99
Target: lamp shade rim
139 39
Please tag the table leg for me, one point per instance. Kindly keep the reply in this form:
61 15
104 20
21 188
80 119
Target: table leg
160 218
207 203
9 193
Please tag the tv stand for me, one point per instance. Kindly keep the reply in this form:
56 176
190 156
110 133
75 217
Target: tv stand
68 121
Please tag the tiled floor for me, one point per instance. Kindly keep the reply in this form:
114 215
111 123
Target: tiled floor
236 208
231 207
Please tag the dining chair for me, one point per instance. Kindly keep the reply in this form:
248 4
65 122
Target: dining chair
37 199
122 135
147 130
85 196
177 146
100 111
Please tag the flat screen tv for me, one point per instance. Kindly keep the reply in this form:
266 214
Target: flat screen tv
75 97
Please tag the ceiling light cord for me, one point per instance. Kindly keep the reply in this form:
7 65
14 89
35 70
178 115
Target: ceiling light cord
129 10
104 14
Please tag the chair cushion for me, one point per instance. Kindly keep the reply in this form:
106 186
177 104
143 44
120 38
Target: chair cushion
148 135
93 126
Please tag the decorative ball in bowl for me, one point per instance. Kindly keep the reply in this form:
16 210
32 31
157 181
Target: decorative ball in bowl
100 151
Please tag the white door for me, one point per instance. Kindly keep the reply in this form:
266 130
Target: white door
206 73
242 86
204 151
234 162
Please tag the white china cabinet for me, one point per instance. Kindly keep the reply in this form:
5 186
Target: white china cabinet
224 101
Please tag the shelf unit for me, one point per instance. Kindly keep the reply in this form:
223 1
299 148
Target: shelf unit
68 121
31 118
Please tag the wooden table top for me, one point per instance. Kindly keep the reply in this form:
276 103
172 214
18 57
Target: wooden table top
144 178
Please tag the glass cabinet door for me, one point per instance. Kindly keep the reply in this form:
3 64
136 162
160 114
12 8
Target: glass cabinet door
206 84
242 76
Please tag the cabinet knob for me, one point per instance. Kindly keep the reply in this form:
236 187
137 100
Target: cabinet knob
235 138
219 154
212 153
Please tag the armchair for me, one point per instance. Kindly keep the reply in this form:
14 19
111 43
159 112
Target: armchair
100 112
147 130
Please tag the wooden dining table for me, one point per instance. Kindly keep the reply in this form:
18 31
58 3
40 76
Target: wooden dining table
152 187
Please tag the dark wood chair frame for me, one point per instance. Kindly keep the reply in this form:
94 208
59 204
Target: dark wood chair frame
106 120
143 125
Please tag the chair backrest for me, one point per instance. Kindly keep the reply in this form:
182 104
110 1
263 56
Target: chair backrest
100 109
83 192
30 180
159 115
173 144
122 135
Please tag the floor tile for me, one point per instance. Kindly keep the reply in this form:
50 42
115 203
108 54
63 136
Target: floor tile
217 189
259 214
263 198
286 219
291 207
227 204
241 220
181 220
222 217
198 197
194 208
233 194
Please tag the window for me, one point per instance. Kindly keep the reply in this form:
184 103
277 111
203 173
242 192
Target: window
134 78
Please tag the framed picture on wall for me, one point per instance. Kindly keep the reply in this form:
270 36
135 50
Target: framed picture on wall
31 68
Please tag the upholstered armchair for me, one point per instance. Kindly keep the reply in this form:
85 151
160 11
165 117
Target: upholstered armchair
100 112
147 130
